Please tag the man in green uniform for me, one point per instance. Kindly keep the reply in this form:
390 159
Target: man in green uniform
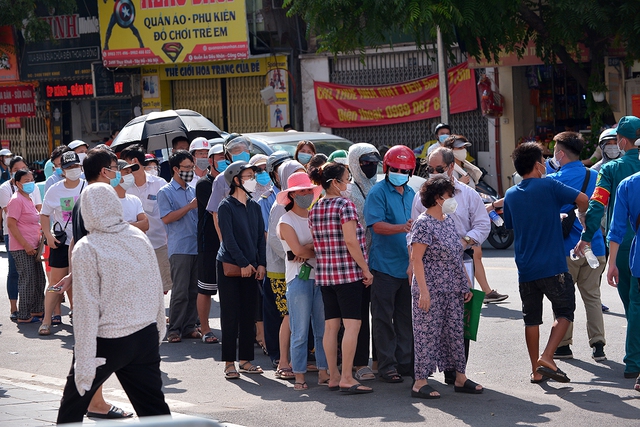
603 197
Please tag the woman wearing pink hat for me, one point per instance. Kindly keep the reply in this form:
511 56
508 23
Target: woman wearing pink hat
304 299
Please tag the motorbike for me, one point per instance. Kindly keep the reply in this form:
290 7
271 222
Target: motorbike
499 237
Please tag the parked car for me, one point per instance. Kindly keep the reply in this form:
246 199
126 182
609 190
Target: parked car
268 142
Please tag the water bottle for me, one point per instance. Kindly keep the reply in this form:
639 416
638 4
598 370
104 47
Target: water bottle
497 219
591 258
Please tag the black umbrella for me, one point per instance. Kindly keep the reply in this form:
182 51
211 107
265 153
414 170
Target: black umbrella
156 130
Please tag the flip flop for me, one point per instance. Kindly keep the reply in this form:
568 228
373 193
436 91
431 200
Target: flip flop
541 380
285 374
114 413
33 319
468 387
209 338
355 389
557 375
230 373
425 392
300 386
324 383
637 386
252 369
173 338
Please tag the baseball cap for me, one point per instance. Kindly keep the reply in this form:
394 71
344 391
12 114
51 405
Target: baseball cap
124 165
199 143
629 127
258 160
459 143
216 149
69 159
77 143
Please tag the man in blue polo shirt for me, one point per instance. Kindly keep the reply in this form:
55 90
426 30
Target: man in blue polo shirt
177 203
387 212
566 153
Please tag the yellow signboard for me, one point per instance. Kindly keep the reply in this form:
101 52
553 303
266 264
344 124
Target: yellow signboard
222 69
144 32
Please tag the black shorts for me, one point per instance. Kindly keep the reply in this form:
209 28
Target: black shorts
207 278
59 258
559 289
343 301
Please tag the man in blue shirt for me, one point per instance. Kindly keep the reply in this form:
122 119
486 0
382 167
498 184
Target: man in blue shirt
532 210
178 209
387 212
573 174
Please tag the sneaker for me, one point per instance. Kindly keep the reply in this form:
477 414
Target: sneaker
598 352
604 308
494 296
563 352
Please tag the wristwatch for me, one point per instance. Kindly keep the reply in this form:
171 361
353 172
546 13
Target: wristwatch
469 240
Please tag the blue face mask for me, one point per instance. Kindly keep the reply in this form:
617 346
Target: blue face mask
115 181
304 158
58 171
222 165
244 156
443 138
28 187
263 178
398 179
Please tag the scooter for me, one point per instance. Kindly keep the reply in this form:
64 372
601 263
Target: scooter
499 237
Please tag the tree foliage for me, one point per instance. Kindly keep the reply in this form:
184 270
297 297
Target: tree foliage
21 14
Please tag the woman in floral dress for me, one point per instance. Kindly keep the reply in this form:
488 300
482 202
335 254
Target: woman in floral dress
439 290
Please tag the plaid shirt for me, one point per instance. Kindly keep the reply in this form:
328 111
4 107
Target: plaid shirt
335 265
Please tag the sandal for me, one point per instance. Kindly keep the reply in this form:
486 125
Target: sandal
14 316
391 376
285 374
56 320
312 368
364 374
209 338
173 338
636 387
300 386
251 369
44 329
230 372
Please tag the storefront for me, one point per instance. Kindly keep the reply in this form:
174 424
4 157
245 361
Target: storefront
226 92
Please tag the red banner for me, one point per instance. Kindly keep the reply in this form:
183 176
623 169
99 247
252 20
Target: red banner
358 106
17 101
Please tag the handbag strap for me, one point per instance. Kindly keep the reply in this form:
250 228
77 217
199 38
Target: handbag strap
587 175
71 216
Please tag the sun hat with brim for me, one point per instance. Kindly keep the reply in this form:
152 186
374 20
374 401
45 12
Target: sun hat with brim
459 143
296 182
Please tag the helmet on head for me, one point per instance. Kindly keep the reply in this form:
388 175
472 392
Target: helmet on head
235 169
607 134
339 156
199 143
276 159
399 157
236 139
441 126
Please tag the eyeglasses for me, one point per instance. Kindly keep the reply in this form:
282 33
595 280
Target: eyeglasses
247 177
187 168
438 169
404 171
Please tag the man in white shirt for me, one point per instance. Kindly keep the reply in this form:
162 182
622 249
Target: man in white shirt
132 210
146 188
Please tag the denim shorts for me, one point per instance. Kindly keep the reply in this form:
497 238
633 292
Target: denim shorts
559 289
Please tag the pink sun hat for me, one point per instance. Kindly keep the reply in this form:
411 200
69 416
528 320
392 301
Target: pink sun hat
298 181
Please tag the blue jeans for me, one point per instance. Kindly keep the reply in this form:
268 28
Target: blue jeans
12 276
304 301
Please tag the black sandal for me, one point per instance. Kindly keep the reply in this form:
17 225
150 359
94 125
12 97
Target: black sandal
391 376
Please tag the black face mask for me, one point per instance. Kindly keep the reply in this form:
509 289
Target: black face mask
370 170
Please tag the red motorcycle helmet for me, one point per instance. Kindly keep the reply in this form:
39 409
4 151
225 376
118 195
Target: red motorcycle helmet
399 157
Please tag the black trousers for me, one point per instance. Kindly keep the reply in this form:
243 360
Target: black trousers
361 357
135 359
272 321
238 299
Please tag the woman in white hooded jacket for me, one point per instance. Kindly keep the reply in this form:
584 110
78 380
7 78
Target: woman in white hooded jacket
119 317
363 161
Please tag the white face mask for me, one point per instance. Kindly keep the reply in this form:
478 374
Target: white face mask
612 151
7 161
449 206
82 156
152 172
621 150
127 182
250 185
73 174
543 174
460 154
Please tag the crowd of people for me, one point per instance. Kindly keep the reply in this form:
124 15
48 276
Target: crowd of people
307 249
